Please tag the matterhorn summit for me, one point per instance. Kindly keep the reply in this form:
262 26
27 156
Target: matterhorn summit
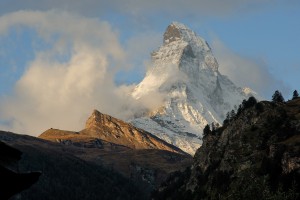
193 93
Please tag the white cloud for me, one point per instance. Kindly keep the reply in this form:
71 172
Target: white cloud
245 71
62 93
139 47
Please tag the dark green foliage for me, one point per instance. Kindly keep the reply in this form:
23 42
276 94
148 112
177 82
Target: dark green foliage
252 101
245 105
277 97
206 130
240 109
225 122
253 128
172 186
232 115
227 119
254 187
215 128
221 180
249 103
259 107
295 94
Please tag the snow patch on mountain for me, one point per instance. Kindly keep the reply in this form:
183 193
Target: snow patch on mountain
185 74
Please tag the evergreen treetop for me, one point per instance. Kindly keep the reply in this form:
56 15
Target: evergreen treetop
295 94
277 97
206 130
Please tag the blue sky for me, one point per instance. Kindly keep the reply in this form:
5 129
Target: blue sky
256 43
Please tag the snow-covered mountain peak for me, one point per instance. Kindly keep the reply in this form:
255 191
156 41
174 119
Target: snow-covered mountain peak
193 93
177 31
196 46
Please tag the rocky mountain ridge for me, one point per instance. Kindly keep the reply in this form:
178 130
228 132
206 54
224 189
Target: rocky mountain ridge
102 127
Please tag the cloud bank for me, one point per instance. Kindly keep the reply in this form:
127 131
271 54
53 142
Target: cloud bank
66 81
245 71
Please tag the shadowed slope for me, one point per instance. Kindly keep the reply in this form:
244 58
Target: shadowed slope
64 175
12 182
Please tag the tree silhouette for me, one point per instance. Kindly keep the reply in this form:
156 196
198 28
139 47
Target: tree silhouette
252 101
249 103
206 130
232 115
227 119
277 97
295 94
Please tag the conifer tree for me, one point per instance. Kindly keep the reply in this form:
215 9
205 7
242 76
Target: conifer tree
227 119
206 130
232 115
277 97
252 101
228 116
295 94
239 109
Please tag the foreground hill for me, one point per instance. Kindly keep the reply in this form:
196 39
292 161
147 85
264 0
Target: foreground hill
11 182
63 175
256 155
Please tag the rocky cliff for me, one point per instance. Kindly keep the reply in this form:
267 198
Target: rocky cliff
256 155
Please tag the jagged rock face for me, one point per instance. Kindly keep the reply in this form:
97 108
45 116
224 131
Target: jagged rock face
98 119
249 158
172 34
119 132
185 72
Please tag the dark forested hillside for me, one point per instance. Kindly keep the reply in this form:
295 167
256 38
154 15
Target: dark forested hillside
255 155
